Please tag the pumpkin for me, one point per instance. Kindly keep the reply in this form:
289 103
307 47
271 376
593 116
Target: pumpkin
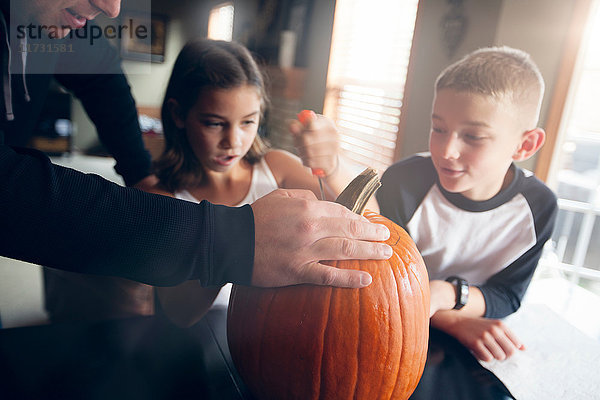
316 342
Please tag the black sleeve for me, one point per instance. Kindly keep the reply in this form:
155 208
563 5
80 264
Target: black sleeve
403 187
65 219
504 291
106 97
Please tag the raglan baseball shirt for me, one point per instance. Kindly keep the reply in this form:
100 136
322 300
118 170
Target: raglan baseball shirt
494 244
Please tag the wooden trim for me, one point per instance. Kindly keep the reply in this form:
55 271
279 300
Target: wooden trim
571 48
407 84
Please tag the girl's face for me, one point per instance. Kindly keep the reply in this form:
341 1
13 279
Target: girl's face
222 125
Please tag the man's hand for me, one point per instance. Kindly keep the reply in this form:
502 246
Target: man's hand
486 338
294 231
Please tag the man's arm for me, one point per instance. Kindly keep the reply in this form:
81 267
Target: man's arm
108 101
65 219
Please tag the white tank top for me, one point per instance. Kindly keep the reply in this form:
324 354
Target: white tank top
263 183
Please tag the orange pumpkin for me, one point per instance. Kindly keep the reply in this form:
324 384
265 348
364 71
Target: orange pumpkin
312 342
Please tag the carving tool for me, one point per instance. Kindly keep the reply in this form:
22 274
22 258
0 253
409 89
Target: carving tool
305 117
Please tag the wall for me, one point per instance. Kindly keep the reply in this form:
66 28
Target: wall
430 58
542 36
491 22
319 38
190 19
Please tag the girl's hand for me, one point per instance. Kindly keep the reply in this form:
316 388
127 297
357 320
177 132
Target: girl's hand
317 142
488 339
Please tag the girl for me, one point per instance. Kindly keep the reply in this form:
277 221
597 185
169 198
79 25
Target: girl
211 114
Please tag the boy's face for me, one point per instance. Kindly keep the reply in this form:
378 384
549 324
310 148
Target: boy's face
61 16
472 142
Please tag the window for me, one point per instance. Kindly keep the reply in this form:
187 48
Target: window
220 22
575 168
368 65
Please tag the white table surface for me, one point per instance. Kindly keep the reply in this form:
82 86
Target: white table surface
21 283
559 323
103 166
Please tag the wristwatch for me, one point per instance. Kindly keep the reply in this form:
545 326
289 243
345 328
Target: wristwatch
462 291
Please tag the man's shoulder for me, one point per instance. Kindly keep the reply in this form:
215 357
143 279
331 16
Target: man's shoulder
419 164
404 186
536 192
542 203
418 160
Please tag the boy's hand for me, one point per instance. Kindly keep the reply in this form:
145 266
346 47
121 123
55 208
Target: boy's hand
442 296
316 139
487 338
294 231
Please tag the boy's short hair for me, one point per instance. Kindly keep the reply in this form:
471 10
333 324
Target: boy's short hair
503 73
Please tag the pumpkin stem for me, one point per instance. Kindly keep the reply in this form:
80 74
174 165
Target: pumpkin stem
355 196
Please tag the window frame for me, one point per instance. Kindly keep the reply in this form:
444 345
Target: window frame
546 165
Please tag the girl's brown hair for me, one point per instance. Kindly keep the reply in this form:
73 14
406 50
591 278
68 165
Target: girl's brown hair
203 65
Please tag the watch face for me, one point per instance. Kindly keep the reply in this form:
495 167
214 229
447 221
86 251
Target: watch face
462 291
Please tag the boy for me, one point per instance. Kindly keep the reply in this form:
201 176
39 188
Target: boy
479 221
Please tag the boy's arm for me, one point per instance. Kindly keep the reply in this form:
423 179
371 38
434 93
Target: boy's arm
404 185
500 295
486 338
504 291
443 299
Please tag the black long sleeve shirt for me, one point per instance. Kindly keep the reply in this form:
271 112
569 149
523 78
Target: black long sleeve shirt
65 219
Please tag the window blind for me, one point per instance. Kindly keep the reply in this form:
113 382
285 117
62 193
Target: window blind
368 64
